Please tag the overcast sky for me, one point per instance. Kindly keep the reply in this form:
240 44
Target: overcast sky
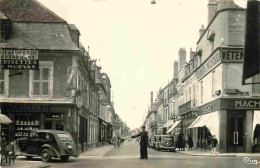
135 42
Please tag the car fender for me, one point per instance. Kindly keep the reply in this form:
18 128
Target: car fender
52 150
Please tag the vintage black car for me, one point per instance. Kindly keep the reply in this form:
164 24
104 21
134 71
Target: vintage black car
48 144
164 142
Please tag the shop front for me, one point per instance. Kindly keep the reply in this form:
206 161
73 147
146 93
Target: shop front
102 132
237 118
28 117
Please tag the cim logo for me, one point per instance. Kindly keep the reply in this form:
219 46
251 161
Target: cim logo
255 104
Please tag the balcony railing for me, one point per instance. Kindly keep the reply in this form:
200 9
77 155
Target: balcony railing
189 106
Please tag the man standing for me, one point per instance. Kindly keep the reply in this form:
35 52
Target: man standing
143 143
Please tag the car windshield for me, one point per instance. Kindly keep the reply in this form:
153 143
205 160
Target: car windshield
63 136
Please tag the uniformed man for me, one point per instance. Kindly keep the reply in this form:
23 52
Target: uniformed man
143 143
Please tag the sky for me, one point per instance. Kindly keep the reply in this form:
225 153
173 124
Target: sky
135 43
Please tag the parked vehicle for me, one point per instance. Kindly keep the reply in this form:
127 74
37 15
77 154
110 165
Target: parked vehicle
164 142
48 144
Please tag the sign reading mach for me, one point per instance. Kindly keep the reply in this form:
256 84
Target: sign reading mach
220 56
19 59
247 104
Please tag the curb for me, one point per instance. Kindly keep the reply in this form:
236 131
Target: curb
207 155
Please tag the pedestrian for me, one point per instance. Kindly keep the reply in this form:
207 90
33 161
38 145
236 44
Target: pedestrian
118 141
143 143
214 143
179 141
190 143
183 142
114 141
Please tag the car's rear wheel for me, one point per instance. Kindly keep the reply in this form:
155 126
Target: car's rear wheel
64 158
45 155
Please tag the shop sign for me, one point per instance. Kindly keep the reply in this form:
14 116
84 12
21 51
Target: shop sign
79 101
247 104
71 77
232 55
209 65
207 108
220 56
27 108
19 59
210 107
232 91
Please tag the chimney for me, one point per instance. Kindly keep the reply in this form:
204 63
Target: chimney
175 69
192 53
202 29
212 9
182 57
151 99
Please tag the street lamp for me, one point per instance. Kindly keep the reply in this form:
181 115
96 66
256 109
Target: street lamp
173 117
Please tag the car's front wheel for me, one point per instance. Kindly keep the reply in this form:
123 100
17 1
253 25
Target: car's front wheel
64 158
45 155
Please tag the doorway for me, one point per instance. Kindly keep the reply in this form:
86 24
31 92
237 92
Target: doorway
235 131
54 124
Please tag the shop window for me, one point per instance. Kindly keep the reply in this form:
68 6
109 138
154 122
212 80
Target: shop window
41 81
256 87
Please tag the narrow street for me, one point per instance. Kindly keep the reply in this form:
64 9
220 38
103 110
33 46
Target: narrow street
127 156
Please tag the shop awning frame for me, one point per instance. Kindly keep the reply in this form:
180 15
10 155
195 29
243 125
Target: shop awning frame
173 126
210 120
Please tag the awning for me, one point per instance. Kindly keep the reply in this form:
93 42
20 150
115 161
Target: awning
210 120
256 119
173 126
194 122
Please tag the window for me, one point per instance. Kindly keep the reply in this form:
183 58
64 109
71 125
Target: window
213 83
189 93
41 81
256 87
193 94
4 79
201 91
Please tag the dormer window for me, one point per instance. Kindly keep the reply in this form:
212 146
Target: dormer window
4 27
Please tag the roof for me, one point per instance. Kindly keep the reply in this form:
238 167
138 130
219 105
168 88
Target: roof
28 11
46 36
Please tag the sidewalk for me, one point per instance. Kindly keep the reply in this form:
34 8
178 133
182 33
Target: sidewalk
208 154
99 151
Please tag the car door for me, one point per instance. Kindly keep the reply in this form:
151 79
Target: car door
32 144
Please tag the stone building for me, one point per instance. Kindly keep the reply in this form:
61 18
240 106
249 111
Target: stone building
47 79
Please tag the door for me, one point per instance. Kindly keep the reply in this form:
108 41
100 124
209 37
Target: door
54 124
235 134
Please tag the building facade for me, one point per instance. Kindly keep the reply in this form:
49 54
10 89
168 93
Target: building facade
48 80
210 98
